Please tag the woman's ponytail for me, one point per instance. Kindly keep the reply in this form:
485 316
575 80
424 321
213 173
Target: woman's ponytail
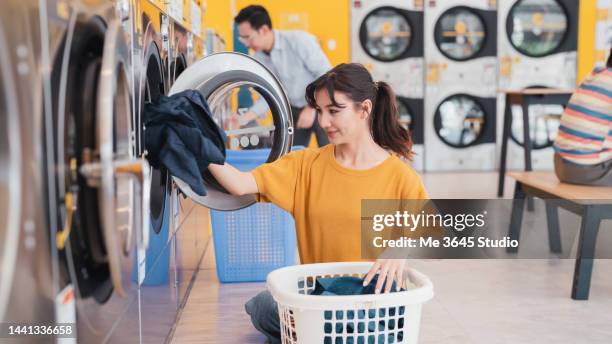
387 130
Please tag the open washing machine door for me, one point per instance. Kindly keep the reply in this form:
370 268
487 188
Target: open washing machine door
224 79
100 180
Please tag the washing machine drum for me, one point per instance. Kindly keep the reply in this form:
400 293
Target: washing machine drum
460 33
459 120
537 27
386 34
231 82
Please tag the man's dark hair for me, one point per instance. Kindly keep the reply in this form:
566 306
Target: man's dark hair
256 15
609 63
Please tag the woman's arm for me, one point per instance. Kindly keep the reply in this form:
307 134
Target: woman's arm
234 181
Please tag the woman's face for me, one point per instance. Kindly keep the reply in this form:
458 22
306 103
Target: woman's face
345 123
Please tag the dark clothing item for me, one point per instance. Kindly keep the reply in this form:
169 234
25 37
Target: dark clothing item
346 286
595 175
264 310
301 137
182 137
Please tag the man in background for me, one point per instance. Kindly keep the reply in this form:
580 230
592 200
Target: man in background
295 57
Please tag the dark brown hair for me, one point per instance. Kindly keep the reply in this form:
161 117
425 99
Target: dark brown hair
354 80
256 15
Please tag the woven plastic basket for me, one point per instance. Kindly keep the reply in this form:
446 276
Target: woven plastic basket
356 319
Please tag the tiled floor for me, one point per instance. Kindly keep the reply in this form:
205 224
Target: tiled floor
476 301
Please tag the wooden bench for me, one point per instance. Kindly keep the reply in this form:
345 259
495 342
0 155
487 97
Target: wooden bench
592 203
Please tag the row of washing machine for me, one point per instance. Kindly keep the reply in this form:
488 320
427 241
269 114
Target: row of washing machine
449 62
86 231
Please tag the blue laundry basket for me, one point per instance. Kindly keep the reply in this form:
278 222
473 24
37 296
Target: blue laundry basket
251 242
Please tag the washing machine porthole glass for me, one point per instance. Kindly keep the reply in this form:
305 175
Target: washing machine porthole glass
228 103
544 121
537 28
460 33
405 115
385 34
459 120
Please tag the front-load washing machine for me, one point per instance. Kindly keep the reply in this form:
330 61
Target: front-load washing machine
460 51
537 43
98 199
150 53
27 270
537 48
152 50
387 38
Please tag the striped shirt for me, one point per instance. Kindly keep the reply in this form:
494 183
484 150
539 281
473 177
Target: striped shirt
585 132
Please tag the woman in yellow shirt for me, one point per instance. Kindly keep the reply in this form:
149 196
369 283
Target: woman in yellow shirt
323 188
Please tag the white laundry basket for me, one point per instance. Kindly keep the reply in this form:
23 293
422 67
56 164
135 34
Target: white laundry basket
355 319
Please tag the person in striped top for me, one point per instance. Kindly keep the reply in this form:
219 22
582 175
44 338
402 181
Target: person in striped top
583 146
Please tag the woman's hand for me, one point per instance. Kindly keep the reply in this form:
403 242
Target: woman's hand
388 270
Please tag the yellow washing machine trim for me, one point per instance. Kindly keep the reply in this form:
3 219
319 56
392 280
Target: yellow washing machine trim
586 38
162 5
152 11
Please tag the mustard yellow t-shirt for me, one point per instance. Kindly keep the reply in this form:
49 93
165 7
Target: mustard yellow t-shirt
325 198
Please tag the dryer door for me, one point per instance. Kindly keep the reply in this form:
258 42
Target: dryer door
386 34
461 120
537 28
231 82
461 33
10 177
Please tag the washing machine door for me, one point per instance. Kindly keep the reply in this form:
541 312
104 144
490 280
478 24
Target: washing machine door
124 195
460 33
230 82
112 201
386 34
537 28
460 120
10 177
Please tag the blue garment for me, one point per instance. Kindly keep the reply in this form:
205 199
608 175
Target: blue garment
346 285
182 137
264 313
